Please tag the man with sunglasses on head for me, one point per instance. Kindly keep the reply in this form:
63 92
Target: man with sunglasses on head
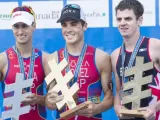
91 66
129 16
24 58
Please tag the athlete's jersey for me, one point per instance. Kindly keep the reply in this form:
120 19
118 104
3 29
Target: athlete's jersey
88 79
37 112
154 85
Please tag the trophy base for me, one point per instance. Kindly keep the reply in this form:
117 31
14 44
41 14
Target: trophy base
70 113
132 113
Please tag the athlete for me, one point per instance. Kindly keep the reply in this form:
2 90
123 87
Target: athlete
24 58
91 66
129 16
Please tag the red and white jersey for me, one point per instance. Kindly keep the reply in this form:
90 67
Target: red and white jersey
37 112
88 79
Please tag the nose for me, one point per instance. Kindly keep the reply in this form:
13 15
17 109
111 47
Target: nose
68 28
20 30
123 22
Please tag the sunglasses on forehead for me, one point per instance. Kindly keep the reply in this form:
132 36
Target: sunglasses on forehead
75 6
23 8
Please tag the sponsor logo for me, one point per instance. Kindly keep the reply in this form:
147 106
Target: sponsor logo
50 15
5 16
18 14
95 14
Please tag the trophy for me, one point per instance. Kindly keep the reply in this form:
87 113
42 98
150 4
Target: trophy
14 102
135 86
62 86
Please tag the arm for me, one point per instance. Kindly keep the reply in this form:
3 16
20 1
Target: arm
34 98
52 97
103 62
117 101
158 106
154 49
3 64
104 66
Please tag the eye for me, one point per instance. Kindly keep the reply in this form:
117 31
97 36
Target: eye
16 26
74 23
128 18
63 25
119 19
24 26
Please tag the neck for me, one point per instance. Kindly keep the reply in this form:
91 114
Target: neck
130 42
25 50
75 49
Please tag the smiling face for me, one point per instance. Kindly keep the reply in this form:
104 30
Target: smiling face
73 31
22 32
127 23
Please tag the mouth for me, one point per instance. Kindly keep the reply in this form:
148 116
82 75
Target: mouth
70 36
123 29
21 37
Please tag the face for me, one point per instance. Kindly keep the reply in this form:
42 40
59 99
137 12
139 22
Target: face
127 23
22 32
73 31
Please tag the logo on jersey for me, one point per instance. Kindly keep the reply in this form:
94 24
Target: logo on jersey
142 49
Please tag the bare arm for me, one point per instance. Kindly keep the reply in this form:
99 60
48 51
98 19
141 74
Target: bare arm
34 98
3 64
103 62
117 101
158 106
52 96
154 49
45 56
104 67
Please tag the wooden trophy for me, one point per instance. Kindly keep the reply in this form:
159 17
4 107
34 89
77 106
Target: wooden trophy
136 95
62 86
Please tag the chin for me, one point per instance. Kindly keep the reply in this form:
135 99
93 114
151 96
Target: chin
70 41
125 35
22 42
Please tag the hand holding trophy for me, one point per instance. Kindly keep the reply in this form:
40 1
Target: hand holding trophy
62 87
132 90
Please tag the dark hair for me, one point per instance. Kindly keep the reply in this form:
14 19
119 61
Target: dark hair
82 22
134 5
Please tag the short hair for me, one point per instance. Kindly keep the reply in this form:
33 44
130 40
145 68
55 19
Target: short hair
134 5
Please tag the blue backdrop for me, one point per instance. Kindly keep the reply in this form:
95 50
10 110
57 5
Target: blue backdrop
49 40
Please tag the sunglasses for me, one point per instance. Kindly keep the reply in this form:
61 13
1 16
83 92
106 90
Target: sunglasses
24 8
74 6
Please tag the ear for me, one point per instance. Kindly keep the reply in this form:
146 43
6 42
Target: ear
85 26
140 20
34 25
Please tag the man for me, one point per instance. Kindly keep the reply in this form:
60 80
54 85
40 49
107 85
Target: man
91 66
24 58
129 15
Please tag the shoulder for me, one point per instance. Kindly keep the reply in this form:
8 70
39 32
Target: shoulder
45 56
154 45
54 56
114 55
100 54
154 42
3 60
102 59
154 48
